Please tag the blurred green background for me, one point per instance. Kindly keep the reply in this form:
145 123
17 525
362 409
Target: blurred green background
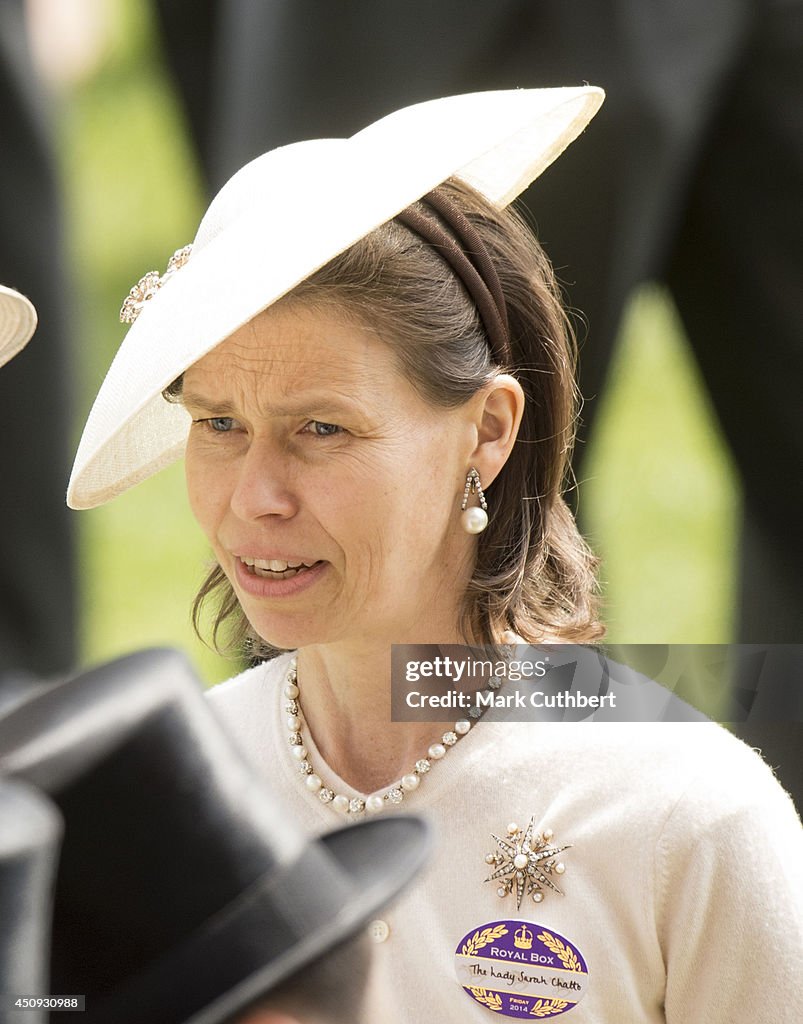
658 495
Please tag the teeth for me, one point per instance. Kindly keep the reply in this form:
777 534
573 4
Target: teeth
271 566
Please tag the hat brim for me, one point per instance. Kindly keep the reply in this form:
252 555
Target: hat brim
281 218
309 896
233 963
380 856
30 834
17 323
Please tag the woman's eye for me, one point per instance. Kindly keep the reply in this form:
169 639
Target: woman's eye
220 424
322 429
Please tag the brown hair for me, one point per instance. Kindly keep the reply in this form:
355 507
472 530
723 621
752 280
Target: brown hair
534 573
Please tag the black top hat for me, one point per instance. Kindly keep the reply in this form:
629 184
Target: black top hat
30 829
184 892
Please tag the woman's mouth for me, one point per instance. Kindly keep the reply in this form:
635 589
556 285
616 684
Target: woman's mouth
276 568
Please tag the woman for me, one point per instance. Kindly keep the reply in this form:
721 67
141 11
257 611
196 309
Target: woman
366 360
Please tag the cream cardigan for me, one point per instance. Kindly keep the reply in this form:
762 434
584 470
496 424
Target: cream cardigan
683 889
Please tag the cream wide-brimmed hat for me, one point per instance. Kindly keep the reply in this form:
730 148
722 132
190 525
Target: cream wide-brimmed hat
278 220
17 323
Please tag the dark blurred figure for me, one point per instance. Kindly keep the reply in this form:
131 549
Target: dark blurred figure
145 868
691 175
37 598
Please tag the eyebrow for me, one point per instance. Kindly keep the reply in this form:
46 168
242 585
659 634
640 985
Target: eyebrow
215 408
309 402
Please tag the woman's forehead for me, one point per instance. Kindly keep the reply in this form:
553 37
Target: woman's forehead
290 351
286 342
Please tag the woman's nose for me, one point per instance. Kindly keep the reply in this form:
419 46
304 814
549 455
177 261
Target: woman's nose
263 485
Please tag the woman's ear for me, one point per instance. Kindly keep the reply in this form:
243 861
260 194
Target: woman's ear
498 413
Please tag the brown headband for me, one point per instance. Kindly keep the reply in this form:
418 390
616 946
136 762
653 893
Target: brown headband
467 255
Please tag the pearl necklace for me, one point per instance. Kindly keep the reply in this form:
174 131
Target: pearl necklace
395 793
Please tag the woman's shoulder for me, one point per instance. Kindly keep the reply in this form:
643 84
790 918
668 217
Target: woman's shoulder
678 752
252 684
692 772
728 781
707 782
249 709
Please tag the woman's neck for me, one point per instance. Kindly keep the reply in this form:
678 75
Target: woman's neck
345 696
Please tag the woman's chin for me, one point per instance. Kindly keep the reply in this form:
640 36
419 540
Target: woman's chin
290 636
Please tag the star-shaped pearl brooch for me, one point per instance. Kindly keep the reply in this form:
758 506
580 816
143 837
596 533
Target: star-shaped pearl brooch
525 862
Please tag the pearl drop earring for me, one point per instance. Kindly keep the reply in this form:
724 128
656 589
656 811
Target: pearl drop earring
475 519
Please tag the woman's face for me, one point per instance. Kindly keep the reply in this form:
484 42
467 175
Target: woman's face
328 488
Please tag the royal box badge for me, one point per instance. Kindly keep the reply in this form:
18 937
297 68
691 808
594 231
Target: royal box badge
521 969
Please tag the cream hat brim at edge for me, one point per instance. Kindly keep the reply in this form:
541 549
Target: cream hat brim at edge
282 217
17 323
